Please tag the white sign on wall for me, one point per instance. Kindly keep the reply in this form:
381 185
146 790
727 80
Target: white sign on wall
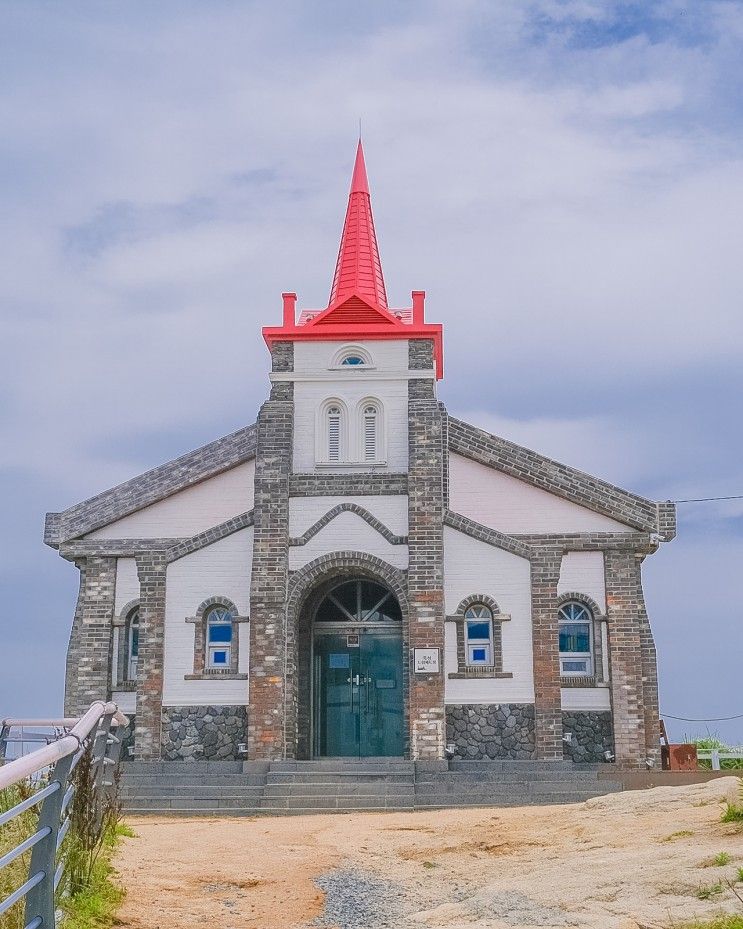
426 660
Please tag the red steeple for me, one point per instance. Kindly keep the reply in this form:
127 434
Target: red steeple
358 271
357 308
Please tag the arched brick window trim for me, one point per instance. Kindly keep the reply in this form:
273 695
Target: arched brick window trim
600 641
120 679
200 620
463 669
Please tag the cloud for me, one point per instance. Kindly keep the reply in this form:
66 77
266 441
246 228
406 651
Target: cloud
563 178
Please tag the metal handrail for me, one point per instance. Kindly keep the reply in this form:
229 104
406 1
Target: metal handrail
100 726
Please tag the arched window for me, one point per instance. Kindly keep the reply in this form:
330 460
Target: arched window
478 623
576 640
219 638
334 417
370 432
132 645
352 356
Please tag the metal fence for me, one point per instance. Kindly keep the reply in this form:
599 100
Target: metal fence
49 769
716 756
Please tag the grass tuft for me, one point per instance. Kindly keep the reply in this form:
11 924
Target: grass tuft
681 834
730 921
709 891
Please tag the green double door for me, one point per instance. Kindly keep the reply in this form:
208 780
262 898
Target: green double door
358 694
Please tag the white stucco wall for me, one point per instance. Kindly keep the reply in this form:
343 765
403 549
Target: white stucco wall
585 698
221 569
189 511
391 510
473 567
317 381
127 583
348 532
583 573
513 506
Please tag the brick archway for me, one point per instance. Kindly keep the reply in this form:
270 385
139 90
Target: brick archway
307 588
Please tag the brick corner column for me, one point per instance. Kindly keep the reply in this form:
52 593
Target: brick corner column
88 663
545 574
152 570
269 577
634 685
426 468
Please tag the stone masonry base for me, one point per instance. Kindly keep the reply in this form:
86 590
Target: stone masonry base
591 735
481 731
200 733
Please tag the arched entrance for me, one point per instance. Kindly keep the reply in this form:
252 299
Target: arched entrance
357 672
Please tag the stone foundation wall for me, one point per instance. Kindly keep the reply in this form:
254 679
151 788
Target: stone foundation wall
592 734
482 731
200 733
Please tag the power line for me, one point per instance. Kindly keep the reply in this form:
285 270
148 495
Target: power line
714 719
707 499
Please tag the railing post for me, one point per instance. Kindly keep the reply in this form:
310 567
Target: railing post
98 764
40 899
715 759
4 732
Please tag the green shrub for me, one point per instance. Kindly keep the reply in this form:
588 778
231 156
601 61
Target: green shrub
11 835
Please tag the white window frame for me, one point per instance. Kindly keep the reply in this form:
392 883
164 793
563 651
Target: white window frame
564 620
356 350
322 445
132 661
219 646
380 457
479 613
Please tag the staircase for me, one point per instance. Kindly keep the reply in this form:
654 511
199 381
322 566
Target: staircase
234 788
510 783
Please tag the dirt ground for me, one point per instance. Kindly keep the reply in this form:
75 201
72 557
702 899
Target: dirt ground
633 859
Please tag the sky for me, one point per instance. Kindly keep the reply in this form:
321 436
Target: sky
564 179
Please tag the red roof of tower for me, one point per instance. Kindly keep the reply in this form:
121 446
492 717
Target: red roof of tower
358 308
358 271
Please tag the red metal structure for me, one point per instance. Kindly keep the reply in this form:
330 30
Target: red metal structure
357 308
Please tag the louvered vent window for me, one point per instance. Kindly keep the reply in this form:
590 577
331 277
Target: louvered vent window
370 433
334 433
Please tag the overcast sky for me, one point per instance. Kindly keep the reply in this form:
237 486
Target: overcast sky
564 179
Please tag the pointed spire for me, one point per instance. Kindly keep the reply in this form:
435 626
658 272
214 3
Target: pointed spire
358 271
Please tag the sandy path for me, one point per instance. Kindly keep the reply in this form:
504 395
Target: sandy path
611 863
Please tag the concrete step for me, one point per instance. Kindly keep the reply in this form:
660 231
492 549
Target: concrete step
322 764
218 780
506 764
199 793
323 804
181 767
339 777
329 790
464 780
186 803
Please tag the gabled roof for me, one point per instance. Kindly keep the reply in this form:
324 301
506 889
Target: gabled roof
562 480
151 487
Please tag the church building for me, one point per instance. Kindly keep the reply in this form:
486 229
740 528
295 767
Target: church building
360 574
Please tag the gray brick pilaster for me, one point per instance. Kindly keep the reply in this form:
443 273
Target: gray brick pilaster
426 450
88 671
269 579
632 657
545 574
152 570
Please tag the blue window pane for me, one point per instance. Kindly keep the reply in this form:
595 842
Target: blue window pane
575 637
479 654
135 642
220 632
575 666
478 630
219 658
353 360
